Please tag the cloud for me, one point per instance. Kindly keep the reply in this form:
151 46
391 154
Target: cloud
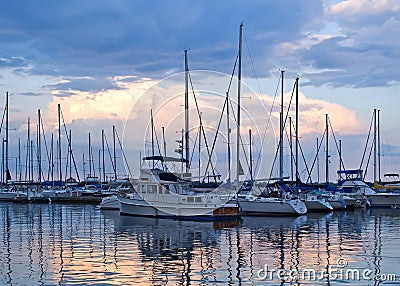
31 94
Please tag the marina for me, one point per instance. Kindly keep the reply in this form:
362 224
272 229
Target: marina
199 143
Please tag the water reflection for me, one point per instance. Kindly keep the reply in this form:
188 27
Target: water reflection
78 244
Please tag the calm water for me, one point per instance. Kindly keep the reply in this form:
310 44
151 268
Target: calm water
50 244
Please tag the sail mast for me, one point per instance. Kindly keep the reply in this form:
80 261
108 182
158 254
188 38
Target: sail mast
152 135
327 150
238 106
281 131
7 172
379 146
39 148
228 139
103 159
297 130
90 157
375 145
186 111
59 144
28 170
115 155
251 158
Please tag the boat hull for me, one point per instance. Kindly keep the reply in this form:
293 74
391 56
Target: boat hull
384 200
318 205
109 203
272 206
136 206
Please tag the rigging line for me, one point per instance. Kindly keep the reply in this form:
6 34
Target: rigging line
123 153
291 150
201 123
366 144
337 146
2 120
305 163
233 73
195 144
241 140
69 142
288 108
225 103
109 152
369 158
268 123
252 64
215 138
316 155
158 145
45 143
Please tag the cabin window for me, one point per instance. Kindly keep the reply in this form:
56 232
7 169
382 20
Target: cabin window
142 188
166 190
190 199
198 199
152 189
160 190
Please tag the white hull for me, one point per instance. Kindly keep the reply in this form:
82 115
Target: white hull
384 200
109 203
349 202
7 196
173 206
272 206
338 204
318 205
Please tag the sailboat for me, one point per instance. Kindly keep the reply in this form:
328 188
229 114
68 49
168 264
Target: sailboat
276 199
159 192
352 181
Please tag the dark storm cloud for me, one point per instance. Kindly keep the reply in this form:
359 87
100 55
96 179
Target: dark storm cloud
146 38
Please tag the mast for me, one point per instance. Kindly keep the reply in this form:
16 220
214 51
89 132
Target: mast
238 108
379 146
29 151
340 154
59 144
317 161
251 158
84 165
229 139
115 155
52 158
3 142
375 160
39 147
164 144
199 149
281 130
7 172
186 112
297 130
152 135
31 160
90 158
19 159
327 150
104 163
291 148
70 153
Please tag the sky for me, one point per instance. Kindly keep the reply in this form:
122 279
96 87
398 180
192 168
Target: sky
101 60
